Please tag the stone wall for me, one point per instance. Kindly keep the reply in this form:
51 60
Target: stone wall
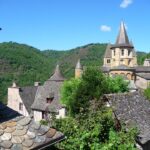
14 100
142 83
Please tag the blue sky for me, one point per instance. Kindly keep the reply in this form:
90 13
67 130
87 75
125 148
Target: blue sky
66 24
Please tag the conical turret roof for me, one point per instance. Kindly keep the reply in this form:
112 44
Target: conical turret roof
122 38
57 76
78 65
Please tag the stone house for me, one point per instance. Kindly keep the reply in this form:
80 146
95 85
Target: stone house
18 132
47 98
38 100
132 110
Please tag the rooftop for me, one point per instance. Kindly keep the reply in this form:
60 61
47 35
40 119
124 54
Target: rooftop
21 132
133 109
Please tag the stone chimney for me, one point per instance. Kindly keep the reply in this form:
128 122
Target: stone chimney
37 83
147 62
14 85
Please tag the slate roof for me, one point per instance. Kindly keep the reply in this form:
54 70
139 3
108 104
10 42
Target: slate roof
57 76
7 113
123 67
27 95
132 109
52 85
23 133
122 38
144 75
108 53
142 69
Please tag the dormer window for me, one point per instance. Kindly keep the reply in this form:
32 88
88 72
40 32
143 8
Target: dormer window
49 100
122 52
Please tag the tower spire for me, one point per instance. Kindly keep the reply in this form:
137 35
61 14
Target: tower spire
78 65
122 36
57 76
78 69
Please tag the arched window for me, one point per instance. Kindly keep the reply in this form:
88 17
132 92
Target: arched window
128 52
114 52
122 52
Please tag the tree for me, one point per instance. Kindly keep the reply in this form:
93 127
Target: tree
94 130
77 93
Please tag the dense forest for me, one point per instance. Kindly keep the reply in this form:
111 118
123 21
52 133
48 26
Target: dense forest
25 64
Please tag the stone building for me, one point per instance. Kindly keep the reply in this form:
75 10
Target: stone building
38 100
120 59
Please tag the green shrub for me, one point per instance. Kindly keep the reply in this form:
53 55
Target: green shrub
147 93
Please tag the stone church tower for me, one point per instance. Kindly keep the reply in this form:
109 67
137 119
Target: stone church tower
121 53
78 69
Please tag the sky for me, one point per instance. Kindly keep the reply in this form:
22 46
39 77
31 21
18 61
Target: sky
66 24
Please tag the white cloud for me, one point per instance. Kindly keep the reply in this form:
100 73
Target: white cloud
105 28
126 3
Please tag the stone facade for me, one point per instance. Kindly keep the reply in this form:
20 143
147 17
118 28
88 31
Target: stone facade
142 82
15 102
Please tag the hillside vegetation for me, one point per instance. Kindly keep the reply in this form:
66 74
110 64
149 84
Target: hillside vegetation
26 64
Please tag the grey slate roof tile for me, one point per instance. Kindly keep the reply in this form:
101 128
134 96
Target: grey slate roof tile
132 108
24 133
28 95
52 85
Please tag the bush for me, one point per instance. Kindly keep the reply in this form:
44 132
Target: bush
147 93
76 93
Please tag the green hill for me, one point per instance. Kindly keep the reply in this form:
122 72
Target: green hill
25 64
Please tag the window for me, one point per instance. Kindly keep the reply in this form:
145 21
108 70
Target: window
121 61
108 61
21 106
49 100
122 52
128 52
114 52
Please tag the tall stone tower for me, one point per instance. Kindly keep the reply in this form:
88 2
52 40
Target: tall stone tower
78 70
122 52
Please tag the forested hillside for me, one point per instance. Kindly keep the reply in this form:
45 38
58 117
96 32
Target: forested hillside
25 64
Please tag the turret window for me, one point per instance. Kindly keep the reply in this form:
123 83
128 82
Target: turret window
128 52
108 61
114 52
122 52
